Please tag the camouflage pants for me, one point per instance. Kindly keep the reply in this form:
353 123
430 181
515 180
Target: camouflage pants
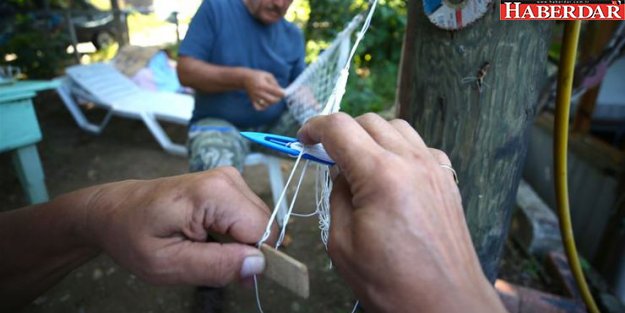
215 142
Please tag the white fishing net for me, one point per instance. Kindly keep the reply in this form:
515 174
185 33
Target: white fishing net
309 94
318 91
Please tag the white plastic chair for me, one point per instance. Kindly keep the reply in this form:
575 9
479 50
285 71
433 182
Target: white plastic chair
275 179
105 87
102 85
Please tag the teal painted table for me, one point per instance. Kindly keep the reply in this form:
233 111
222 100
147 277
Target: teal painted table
19 133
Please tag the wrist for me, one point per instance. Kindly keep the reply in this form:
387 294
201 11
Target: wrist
469 290
471 297
78 207
441 293
243 76
478 296
43 243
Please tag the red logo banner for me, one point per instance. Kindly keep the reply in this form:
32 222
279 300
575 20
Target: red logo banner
562 10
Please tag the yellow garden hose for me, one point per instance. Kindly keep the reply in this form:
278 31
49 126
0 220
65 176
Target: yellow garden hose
561 131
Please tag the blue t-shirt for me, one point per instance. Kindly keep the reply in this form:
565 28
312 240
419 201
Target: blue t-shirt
223 32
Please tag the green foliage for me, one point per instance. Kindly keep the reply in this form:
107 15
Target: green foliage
35 4
37 49
38 54
372 92
372 83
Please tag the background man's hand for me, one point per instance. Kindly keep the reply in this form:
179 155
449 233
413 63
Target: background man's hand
158 229
398 234
263 89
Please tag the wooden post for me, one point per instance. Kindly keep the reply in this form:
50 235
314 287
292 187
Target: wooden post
72 34
484 128
120 23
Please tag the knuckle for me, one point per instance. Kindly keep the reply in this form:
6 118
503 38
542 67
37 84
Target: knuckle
228 172
338 119
400 122
369 117
440 156
221 175
219 180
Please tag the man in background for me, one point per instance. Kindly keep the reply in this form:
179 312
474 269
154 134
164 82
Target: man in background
238 55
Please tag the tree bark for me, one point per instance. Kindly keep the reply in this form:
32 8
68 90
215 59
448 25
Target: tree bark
483 129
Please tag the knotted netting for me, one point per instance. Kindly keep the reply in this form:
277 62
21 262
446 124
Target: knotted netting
309 94
318 91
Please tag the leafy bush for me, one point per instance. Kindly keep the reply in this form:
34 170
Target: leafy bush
372 83
38 54
37 44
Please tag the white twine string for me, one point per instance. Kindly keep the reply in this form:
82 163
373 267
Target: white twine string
334 102
290 211
322 194
324 188
272 218
317 196
304 214
355 306
333 106
260 307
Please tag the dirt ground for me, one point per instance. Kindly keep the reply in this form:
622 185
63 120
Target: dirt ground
74 159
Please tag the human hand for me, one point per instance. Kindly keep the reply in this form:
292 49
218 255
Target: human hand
398 234
158 229
263 89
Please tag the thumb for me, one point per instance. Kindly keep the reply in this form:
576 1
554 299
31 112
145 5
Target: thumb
216 264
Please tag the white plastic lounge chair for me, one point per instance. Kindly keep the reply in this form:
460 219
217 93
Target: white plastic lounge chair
105 87
102 85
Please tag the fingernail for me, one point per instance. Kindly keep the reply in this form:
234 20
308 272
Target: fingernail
252 265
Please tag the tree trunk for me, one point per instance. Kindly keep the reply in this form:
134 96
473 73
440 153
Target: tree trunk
120 23
484 129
